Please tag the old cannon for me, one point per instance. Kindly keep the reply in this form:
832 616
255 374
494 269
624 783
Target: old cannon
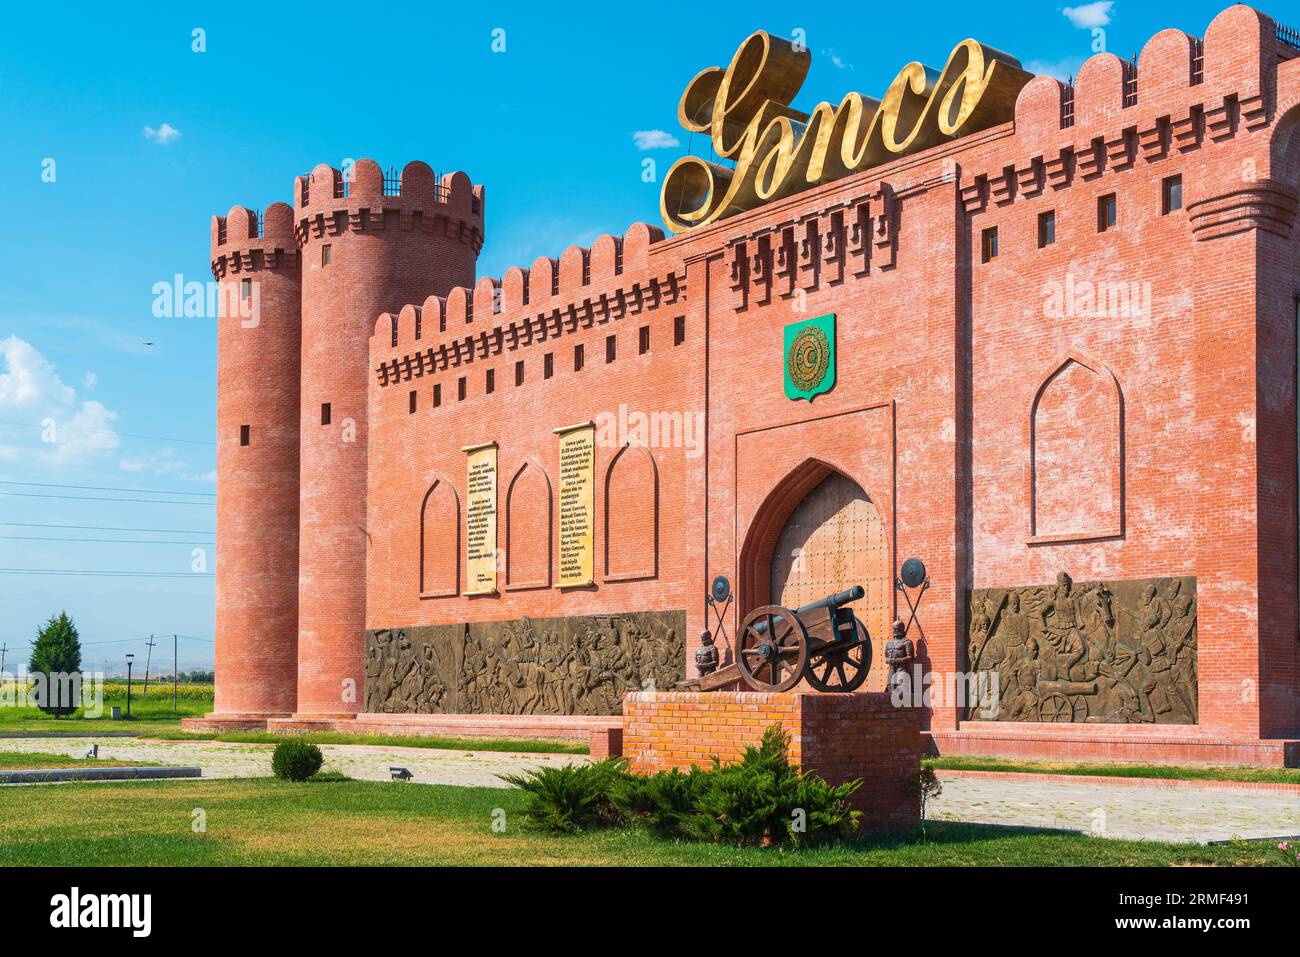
823 642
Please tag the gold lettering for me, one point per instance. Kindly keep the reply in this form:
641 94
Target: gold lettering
779 151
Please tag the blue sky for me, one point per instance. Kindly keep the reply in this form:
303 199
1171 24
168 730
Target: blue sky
149 138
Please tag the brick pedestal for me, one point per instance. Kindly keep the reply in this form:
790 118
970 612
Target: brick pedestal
841 737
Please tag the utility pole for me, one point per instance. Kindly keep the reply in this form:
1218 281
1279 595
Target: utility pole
175 673
151 643
3 649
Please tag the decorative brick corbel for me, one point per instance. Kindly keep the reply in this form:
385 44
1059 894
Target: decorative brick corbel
1030 178
835 247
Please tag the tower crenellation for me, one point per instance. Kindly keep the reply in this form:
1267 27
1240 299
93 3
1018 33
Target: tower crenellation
327 202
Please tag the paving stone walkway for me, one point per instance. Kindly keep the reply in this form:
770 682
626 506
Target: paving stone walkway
1137 813
1122 811
363 761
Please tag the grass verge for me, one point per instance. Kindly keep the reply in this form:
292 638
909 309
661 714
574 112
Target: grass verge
260 821
41 761
515 745
152 717
1163 771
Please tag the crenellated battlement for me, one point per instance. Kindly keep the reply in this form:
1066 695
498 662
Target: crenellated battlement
245 241
582 288
327 203
1179 94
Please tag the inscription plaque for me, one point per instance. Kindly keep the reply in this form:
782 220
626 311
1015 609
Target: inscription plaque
577 545
481 520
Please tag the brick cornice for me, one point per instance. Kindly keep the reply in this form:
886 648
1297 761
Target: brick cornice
253 258
339 218
598 309
1265 204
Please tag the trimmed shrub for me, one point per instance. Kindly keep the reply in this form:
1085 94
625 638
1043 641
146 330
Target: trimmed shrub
571 797
763 799
664 803
296 760
760 800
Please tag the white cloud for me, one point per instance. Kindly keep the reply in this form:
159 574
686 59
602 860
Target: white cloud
63 431
1090 15
89 381
654 140
163 463
1061 70
836 60
166 133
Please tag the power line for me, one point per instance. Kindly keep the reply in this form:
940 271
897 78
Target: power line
125 435
106 574
101 498
110 528
106 488
114 641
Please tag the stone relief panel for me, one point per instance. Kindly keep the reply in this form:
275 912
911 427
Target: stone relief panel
575 665
1107 652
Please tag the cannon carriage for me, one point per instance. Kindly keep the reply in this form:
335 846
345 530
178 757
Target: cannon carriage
777 648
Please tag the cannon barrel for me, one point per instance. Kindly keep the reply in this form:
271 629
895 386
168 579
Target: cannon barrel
836 600
839 598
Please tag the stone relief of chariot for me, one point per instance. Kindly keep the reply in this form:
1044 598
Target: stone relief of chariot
1120 652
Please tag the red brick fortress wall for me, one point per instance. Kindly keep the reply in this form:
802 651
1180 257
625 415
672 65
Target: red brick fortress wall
498 363
841 737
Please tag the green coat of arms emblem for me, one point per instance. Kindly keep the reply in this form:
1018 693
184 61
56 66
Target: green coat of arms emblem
810 357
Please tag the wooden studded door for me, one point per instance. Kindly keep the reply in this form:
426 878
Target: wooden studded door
835 539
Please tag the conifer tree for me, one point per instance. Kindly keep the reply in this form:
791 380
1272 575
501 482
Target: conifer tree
57 651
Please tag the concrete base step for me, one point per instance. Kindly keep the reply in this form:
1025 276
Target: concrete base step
1142 744
51 775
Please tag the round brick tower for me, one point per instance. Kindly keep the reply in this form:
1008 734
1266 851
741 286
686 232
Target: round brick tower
257 270
368 246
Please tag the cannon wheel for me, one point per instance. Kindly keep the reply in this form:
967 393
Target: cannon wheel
841 666
775 659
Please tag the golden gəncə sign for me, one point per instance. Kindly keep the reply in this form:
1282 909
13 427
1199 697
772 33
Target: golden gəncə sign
779 151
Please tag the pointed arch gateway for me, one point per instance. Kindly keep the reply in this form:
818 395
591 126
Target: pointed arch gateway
816 533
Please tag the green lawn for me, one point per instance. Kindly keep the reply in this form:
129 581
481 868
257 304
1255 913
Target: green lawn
152 717
148 714
1180 772
263 821
40 761
516 745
